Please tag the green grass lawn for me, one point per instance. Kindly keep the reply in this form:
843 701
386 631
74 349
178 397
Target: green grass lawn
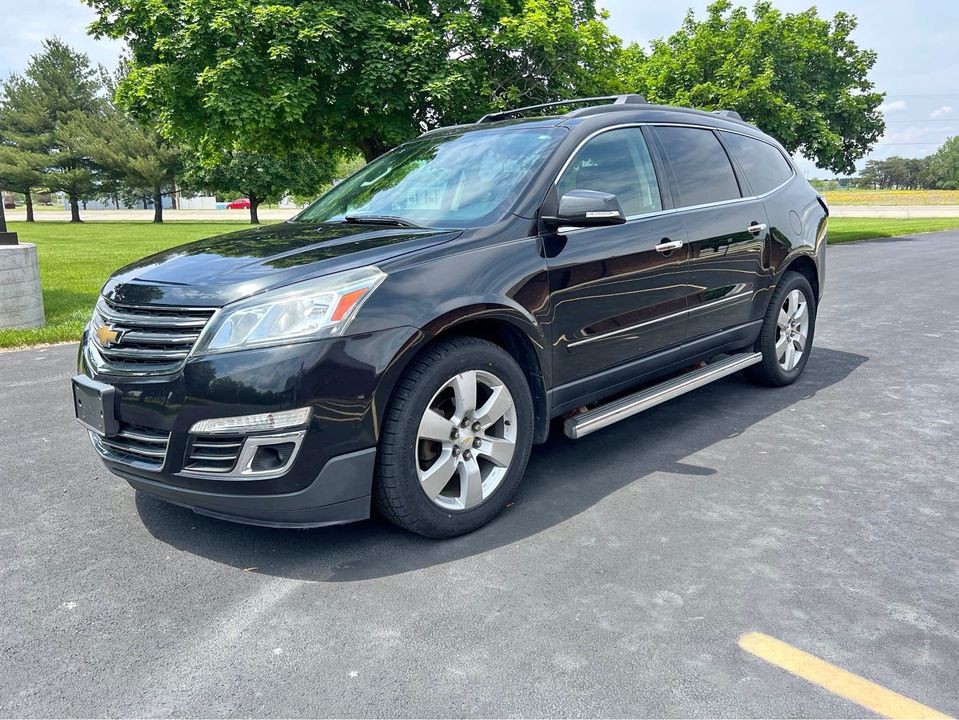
849 229
75 260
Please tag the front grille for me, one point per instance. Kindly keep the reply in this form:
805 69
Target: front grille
134 445
148 339
213 453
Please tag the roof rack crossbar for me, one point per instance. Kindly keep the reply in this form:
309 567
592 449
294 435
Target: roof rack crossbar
631 99
730 114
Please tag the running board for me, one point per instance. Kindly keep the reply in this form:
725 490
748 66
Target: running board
596 419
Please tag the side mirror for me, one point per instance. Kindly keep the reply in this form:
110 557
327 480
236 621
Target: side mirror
587 208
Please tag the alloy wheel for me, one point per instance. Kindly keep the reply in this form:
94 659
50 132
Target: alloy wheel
466 440
792 329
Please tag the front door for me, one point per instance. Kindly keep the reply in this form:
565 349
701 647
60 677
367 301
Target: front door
618 292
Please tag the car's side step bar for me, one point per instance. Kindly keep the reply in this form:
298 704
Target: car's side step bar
581 425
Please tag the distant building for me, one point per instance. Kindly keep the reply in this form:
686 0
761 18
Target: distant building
203 202
108 204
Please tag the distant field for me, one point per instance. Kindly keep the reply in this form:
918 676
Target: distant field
892 197
75 260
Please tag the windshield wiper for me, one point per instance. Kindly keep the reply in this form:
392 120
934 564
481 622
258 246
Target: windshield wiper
380 220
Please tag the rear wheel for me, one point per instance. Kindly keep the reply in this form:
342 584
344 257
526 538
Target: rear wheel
787 333
456 439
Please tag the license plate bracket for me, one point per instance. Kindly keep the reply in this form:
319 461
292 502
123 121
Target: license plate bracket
95 405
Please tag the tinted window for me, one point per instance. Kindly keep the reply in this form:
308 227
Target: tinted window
616 162
699 164
764 165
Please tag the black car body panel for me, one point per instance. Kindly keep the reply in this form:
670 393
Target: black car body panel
587 312
221 269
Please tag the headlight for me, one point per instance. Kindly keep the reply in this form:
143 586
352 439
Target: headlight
308 310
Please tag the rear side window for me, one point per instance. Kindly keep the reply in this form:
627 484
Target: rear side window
699 164
618 162
765 167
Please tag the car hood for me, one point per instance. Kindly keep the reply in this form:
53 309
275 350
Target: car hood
221 269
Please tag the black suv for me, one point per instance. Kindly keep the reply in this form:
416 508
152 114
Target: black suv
405 340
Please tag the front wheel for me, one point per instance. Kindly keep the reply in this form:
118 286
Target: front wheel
787 332
456 439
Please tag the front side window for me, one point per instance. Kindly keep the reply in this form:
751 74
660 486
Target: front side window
765 167
616 162
447 181
699 164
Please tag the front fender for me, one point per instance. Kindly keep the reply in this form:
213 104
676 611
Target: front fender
464 318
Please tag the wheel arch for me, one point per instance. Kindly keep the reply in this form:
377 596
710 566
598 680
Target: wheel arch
502 326
805 265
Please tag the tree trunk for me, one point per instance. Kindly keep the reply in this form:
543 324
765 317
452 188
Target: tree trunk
146 202
116 200
372 148
254 205
75 208
157 205
3 215
28 201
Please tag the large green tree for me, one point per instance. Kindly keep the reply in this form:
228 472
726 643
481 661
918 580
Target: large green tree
357 74
799 77
59 87
942 167
895 172
125 150
21 171
22 159
259 177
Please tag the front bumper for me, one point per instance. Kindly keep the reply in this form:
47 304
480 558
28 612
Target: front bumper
328 500
344 380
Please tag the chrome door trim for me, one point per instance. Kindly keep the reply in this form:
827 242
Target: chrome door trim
671 316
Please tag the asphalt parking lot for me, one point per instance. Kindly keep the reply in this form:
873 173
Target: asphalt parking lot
618 583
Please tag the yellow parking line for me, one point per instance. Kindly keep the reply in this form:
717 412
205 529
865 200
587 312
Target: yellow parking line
880 700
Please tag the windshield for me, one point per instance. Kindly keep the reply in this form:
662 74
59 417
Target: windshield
448 181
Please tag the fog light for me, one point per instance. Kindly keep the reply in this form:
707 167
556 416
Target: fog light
255 423
272 457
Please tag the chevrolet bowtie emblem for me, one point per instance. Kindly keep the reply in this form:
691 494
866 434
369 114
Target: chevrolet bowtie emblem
107 336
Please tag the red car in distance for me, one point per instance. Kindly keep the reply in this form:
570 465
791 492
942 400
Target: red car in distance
239 204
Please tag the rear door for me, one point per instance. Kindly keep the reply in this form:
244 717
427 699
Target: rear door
789 205
726 229
618 292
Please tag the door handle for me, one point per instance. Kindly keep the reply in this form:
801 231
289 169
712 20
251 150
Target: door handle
756 228
668 245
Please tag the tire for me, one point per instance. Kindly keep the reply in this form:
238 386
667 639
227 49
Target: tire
416 448
780 333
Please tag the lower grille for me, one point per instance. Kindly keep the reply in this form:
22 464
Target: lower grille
213 453
134 445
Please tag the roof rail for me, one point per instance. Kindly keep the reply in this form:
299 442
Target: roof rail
730 114
616 100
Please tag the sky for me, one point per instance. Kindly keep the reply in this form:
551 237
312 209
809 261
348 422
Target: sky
917 43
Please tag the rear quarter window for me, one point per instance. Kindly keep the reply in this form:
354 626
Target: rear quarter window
699 164
764 165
